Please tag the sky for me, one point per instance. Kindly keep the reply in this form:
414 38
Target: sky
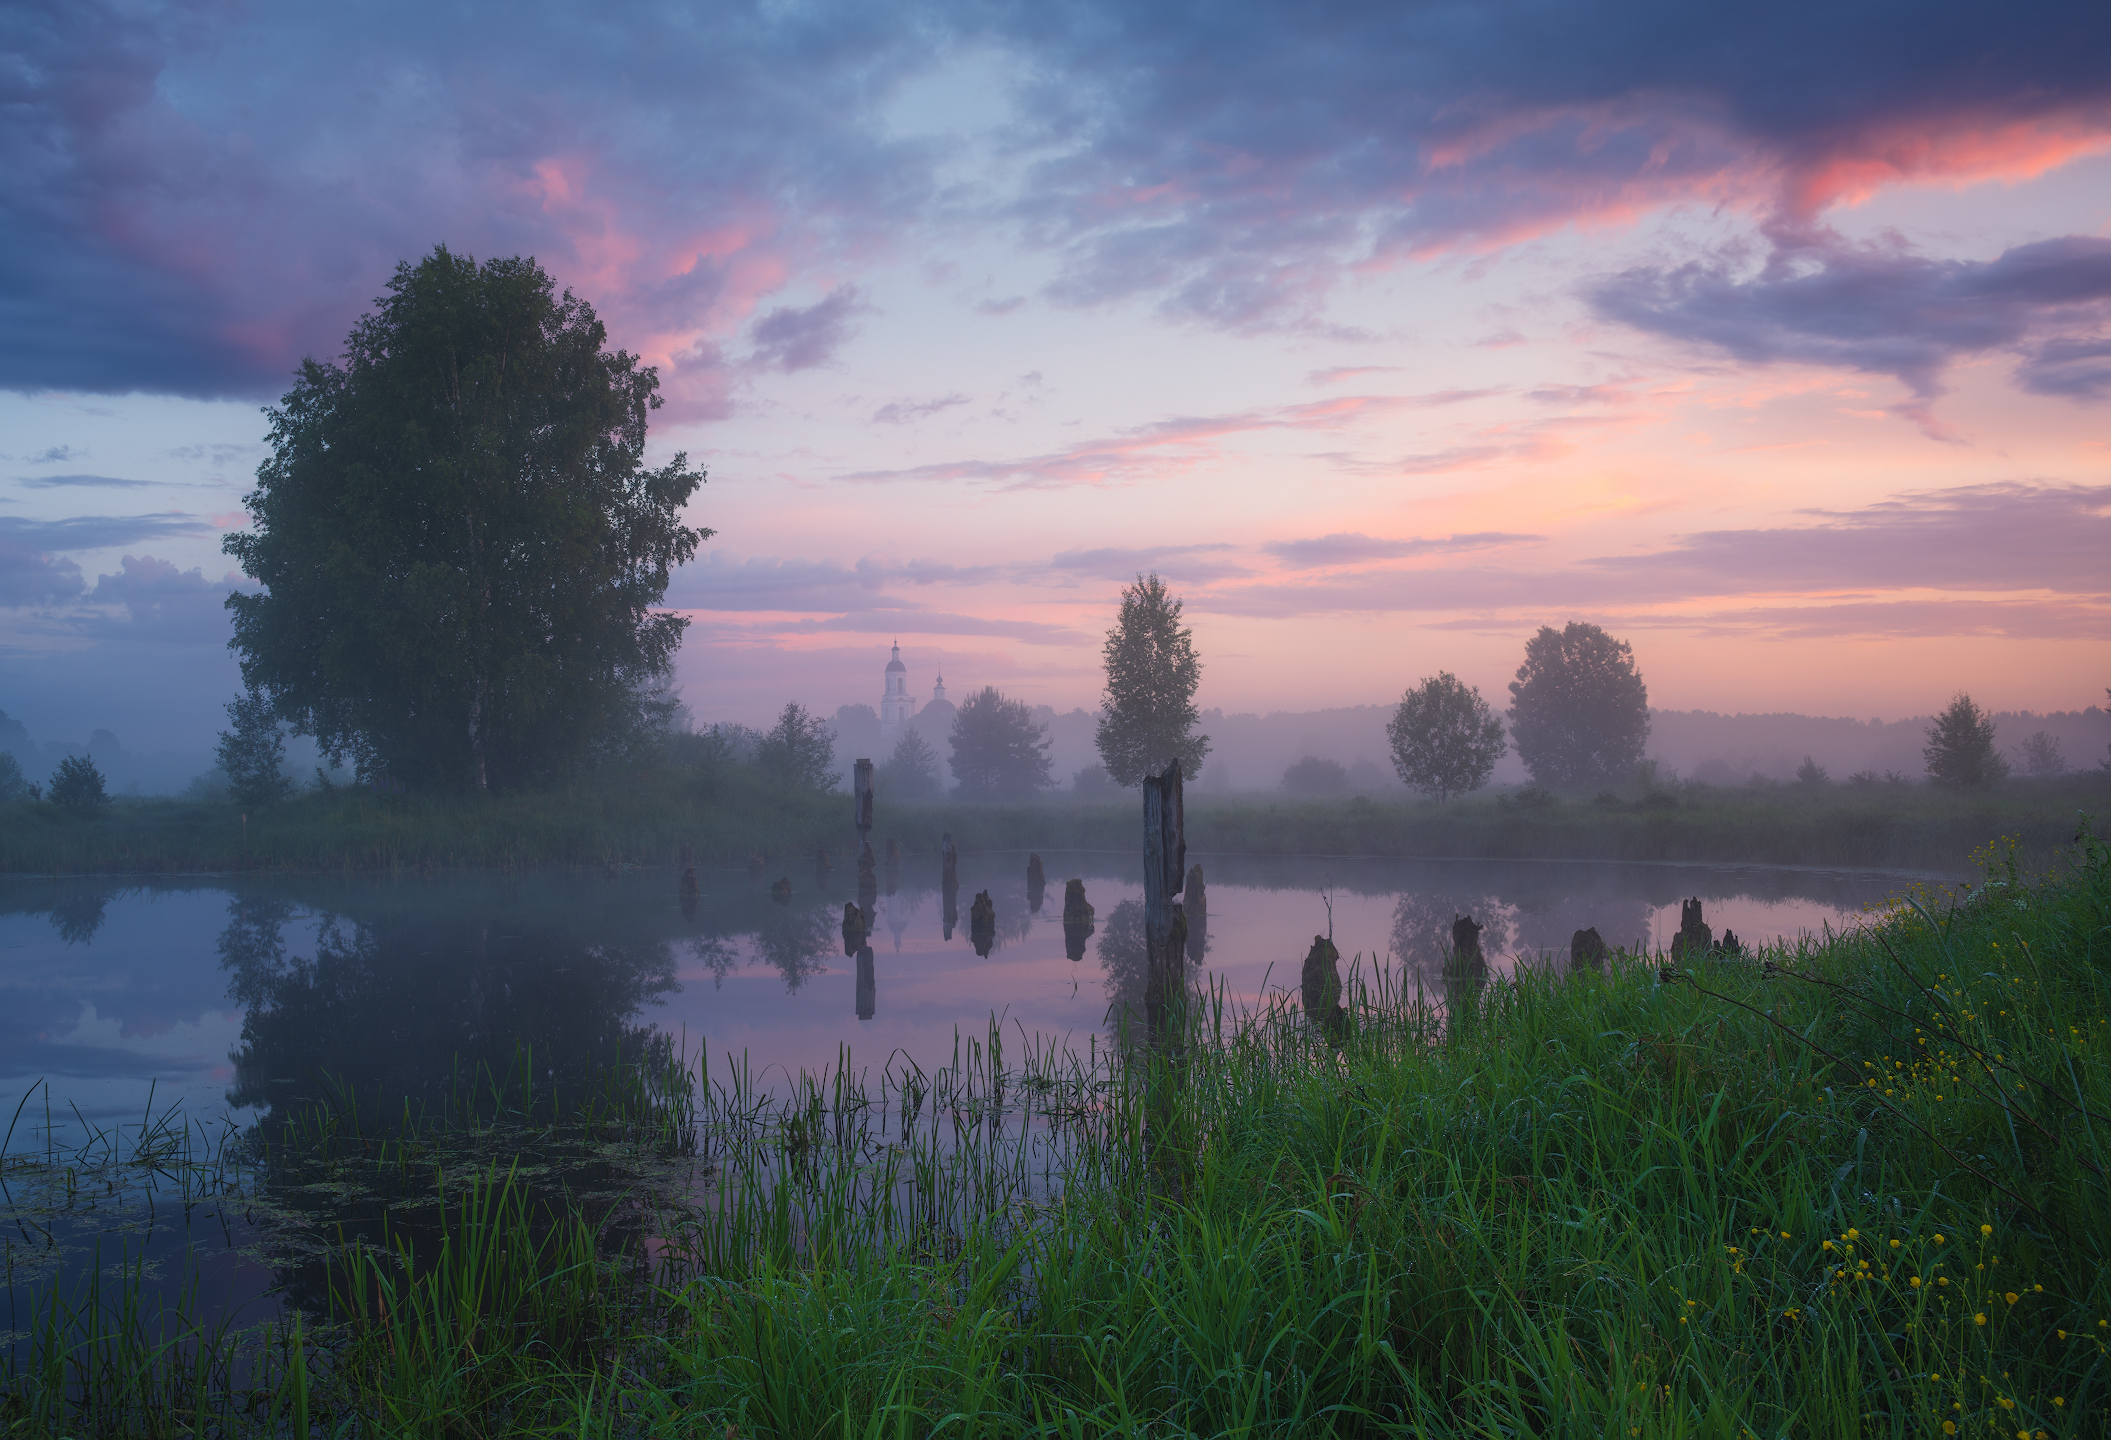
1776 340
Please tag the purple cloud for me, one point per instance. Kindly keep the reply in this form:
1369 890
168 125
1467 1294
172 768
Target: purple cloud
30 575
101 532
1184 562
908 412
1350 548
200 195
790 338
106 482
1820 300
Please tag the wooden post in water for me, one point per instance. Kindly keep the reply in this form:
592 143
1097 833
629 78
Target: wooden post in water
1164 875
861 791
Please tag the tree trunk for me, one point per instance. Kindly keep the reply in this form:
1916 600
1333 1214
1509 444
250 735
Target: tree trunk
1164 875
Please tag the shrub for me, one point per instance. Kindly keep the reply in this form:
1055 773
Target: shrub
1314 776
77 786
1960 750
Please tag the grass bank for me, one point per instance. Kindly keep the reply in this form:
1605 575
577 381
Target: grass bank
648 816
1857 1188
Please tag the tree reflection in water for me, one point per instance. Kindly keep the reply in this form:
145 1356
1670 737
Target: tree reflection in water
1422 927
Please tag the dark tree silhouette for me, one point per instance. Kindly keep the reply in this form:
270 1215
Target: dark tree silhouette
462 553
999 753
1445 739
1960 750
799 751
252 752
1579 712
77 787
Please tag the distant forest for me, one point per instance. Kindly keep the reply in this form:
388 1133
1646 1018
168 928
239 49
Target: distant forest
1250 752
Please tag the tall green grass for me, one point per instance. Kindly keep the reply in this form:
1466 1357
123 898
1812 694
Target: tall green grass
1847 1187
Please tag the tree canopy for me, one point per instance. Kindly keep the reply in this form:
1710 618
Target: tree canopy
1960 750
799 751
77 787
253 753
1445 740
999 753
1148 714
1579 712
460 545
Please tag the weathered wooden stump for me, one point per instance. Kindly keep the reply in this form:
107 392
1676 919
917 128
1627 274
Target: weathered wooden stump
982 923
1587 950
1196 904
948 860
1036 884
1076 910
861 796
781 891
1465 957
868 985
1164 873
855 925
1694 939
1321 985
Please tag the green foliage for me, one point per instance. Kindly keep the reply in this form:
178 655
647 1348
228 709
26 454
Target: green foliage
1148 714
77 787
253 752
1960 752
14 785
460 547
799 751
911 772
999 753
1579 712
1445 739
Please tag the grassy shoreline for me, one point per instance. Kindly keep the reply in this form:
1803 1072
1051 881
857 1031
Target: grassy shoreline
1856 1187
652 817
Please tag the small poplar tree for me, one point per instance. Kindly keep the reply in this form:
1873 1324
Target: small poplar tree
1960 750
1445 739
1148 714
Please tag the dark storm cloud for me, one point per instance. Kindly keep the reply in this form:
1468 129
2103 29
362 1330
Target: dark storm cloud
789 338
197 196
1220 155
1820 300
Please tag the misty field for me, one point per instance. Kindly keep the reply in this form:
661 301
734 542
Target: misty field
725 816
1856 1187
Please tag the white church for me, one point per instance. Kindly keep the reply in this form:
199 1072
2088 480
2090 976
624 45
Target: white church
898 708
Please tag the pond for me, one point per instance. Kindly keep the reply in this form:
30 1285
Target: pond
199 1010
236 994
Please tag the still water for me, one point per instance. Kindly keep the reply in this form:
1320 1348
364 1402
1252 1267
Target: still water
236 995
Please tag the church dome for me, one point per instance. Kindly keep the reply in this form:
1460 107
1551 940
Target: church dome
895 666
